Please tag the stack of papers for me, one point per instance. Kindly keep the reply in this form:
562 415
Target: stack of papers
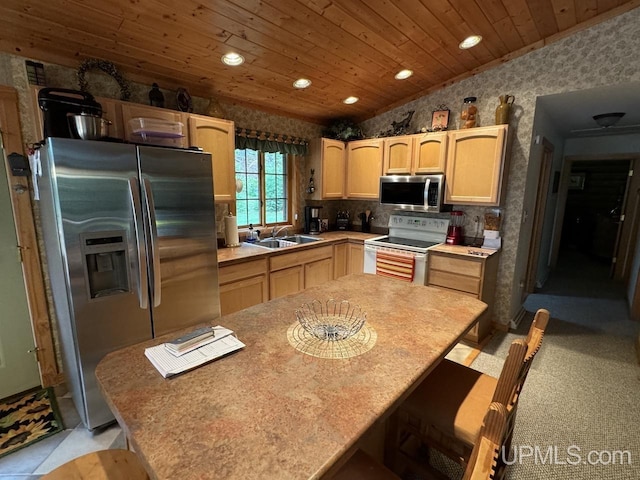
169 363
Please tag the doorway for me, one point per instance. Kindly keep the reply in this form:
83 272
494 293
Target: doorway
597 217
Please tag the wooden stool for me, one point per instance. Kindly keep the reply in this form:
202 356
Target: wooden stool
101 465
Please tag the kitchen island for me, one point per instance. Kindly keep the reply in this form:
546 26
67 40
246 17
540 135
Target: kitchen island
270 411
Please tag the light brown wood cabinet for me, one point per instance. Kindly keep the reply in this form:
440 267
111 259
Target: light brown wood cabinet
340 259
469 275
415 154
217 137
475 166
364 167
132 110
295 271
356 257
348 258
328 159
243 285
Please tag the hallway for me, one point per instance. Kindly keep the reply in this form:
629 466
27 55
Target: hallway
584 385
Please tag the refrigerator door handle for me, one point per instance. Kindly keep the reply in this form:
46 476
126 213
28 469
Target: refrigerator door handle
136 209
155 253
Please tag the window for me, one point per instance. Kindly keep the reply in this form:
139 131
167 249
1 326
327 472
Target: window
264 198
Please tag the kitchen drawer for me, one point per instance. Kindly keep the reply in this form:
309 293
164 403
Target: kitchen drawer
454 281
300 257
242 270
455 265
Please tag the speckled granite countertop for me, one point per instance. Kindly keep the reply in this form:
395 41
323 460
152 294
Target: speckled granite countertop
271 412
228 256
473 252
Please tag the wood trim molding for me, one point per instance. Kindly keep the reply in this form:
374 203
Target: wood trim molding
27 241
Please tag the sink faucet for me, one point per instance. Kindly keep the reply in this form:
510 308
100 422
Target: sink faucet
276 230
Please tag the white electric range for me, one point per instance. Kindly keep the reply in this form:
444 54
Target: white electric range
410 237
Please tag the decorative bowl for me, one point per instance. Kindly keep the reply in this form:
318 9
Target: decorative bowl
332 320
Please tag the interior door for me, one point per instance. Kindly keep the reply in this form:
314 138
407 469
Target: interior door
18 366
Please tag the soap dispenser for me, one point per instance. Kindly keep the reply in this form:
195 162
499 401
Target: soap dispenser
252 235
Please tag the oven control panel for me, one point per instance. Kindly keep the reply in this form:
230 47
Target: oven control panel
405 222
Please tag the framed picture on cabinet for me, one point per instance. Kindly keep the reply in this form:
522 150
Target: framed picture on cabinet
440 120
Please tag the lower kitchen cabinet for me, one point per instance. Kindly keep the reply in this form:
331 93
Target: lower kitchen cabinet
340 259
286 281
318 272
242 285
470 275
293 272
356 257
347 258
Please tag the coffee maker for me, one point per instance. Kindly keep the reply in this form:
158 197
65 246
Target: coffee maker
312 220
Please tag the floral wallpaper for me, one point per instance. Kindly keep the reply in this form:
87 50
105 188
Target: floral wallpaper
606 54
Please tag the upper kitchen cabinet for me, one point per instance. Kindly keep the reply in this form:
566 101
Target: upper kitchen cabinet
364 167
328 162
415 154
475 165
429 153
217 137
398 154
131 111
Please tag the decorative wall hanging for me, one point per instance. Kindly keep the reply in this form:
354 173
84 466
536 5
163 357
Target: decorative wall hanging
184 100
440 119
108 68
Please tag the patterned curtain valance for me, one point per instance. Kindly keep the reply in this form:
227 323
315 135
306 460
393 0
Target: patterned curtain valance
271 142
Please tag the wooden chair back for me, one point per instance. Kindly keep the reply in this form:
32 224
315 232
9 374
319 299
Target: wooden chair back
486 451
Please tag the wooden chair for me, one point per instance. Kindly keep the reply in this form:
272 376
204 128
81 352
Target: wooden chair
486 451
101 465
363 467
446 411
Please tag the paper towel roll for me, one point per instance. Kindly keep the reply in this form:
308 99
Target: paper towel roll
231 231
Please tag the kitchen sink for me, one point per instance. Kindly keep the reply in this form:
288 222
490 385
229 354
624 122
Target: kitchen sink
269 243
283 242
300 239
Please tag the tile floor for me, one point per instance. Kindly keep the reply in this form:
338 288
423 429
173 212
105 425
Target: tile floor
33 461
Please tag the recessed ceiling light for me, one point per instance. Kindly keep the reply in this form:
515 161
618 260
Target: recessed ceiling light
470 41
402 74
233 59
302 83
350 100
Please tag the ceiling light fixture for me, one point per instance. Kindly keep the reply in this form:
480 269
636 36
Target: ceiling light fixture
302 83
402 74
608 119
350 100
232 59
470 41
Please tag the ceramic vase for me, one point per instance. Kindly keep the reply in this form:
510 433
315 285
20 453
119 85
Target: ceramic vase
503 109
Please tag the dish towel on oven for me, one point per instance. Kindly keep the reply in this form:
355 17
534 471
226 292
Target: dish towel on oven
395 265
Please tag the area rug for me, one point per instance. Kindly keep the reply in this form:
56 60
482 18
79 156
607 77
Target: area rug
27 419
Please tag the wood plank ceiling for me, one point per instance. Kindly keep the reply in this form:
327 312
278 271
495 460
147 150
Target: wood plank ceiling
345 47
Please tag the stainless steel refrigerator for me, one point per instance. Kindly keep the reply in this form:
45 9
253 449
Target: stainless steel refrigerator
130 243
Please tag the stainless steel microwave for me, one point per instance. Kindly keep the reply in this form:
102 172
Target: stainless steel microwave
413 192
